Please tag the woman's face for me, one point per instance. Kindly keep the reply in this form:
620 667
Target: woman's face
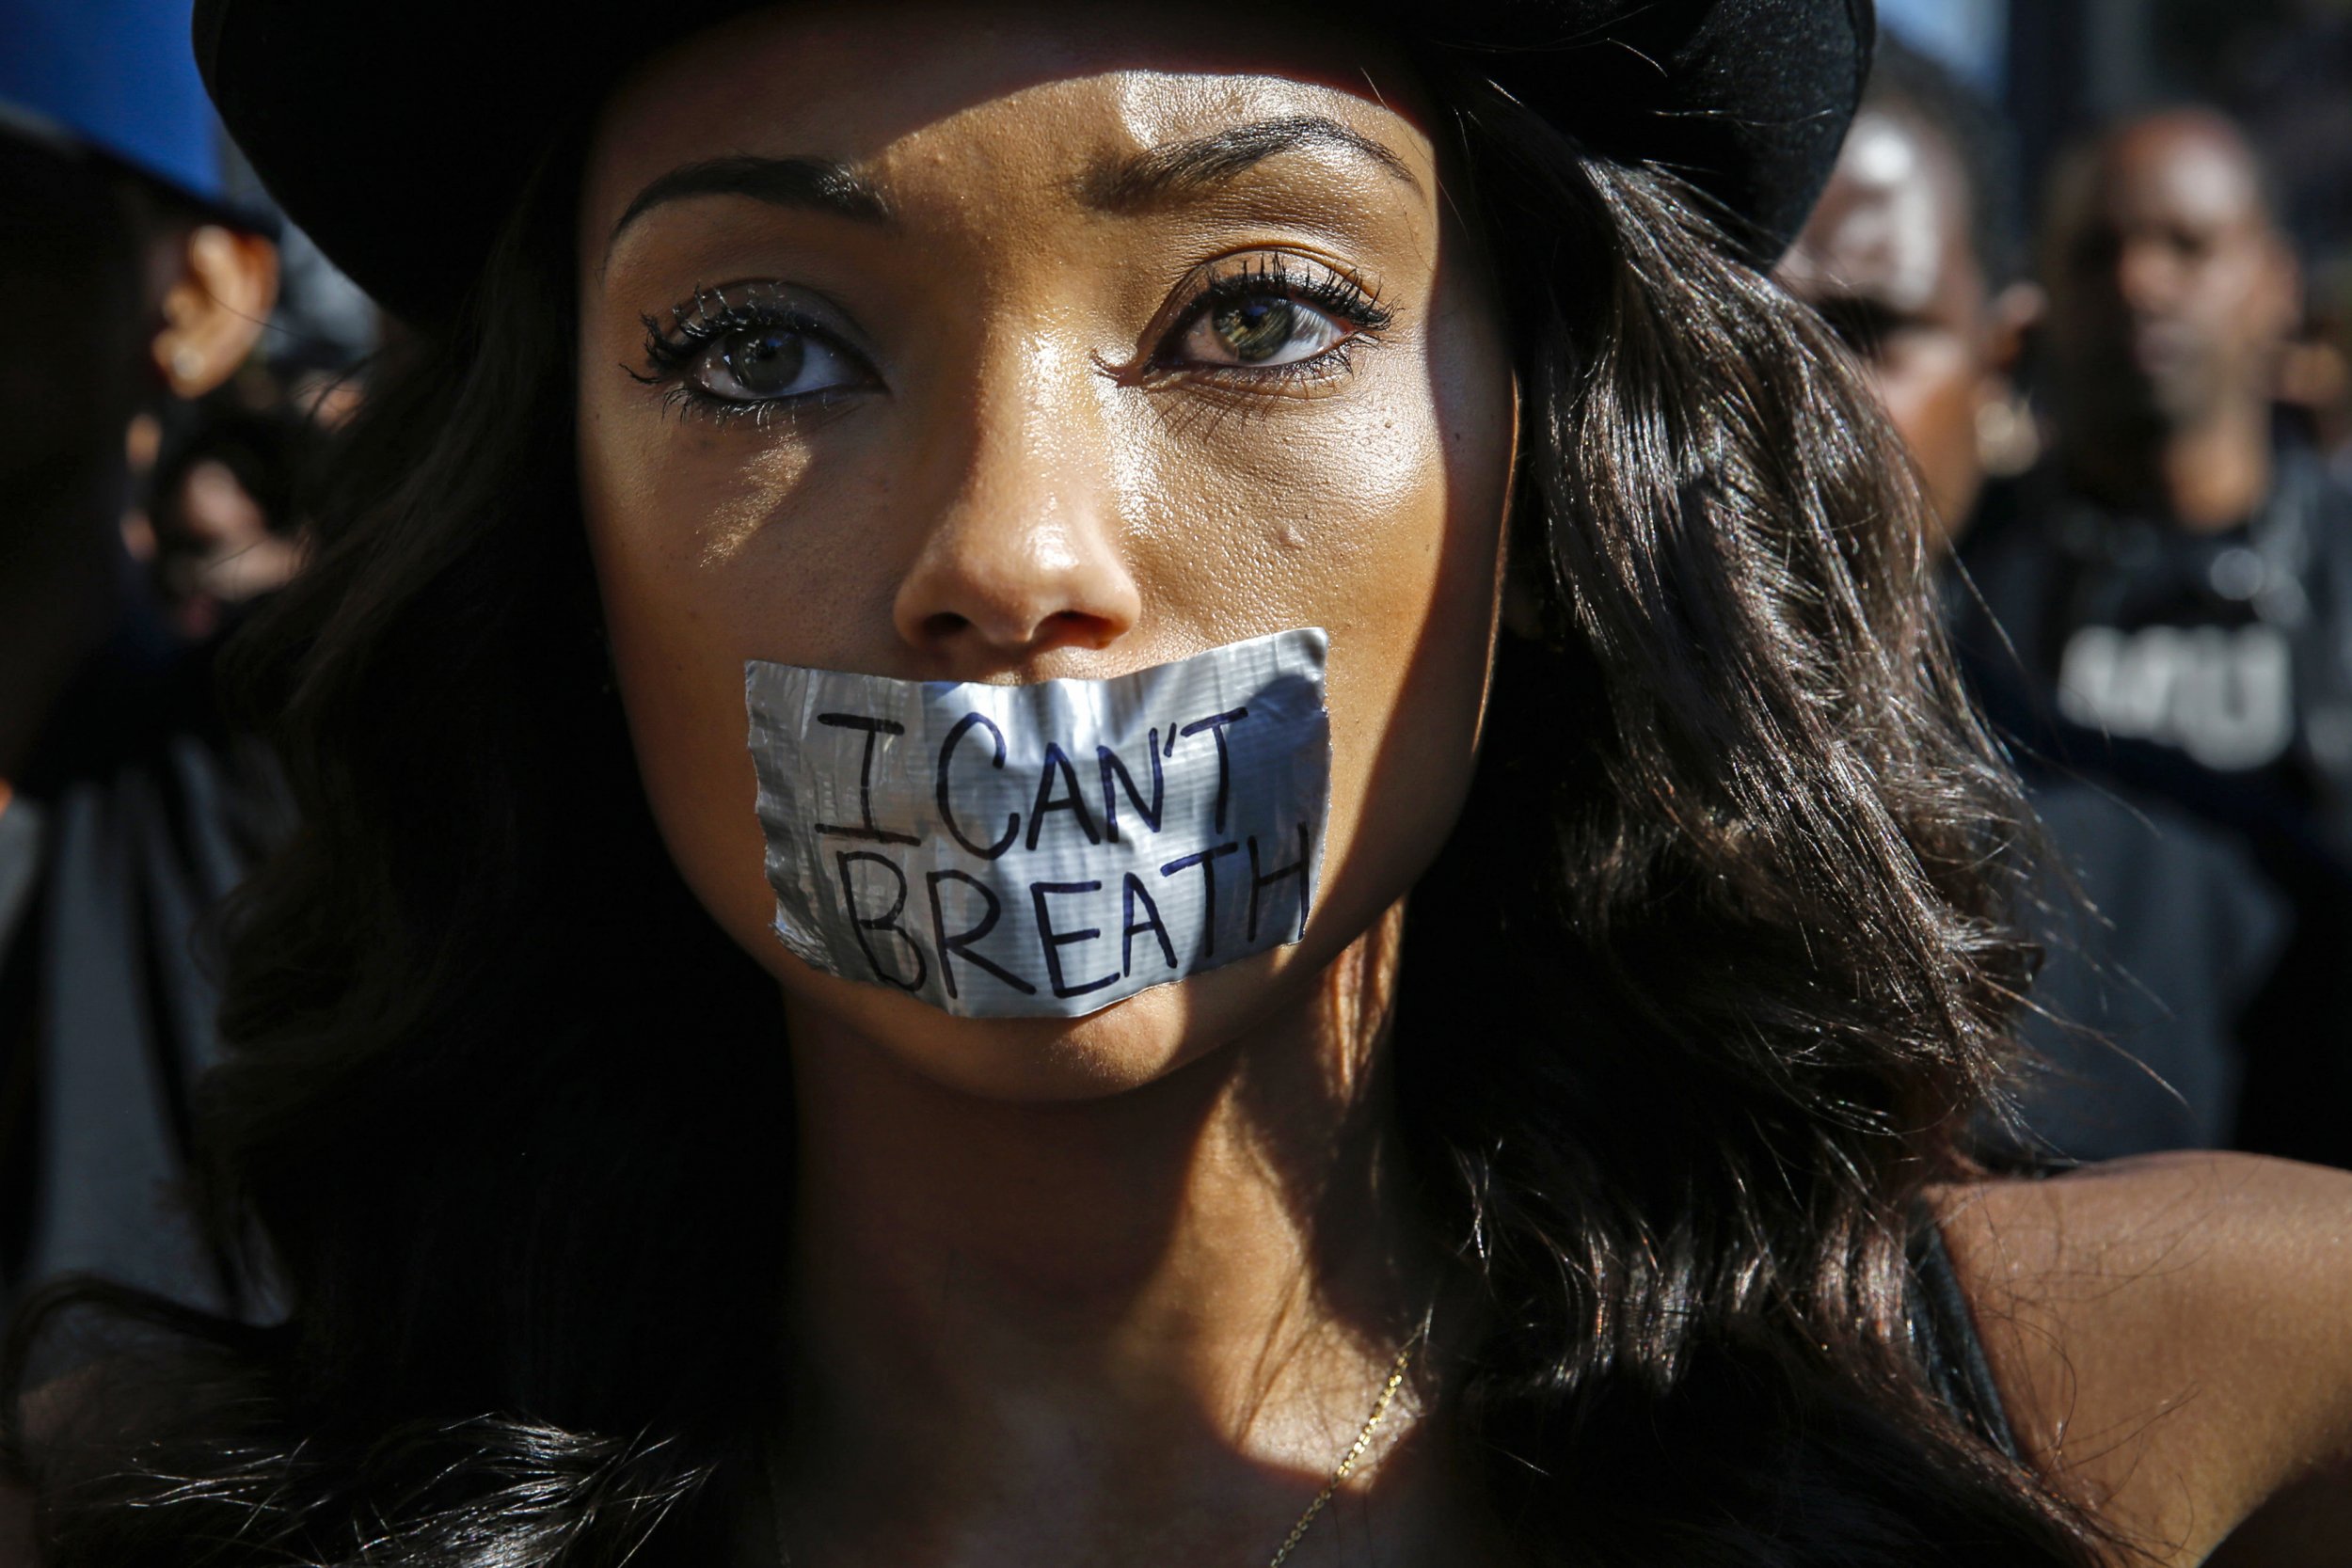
1003 344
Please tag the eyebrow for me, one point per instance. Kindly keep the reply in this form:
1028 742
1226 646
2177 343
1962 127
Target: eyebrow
1141 180
810 183
1183 168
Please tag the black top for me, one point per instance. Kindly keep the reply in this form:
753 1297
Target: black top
2160 931
1944 1333
137 815
2211 674
2212 668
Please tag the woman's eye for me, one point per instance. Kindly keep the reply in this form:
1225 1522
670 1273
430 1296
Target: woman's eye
1262 329
766 364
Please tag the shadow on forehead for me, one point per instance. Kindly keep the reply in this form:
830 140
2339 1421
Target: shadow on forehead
1184 167
825 83
1128 183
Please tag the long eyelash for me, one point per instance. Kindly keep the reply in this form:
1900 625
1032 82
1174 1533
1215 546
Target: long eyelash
689 402
708 316
1332 291
1341 294
697 321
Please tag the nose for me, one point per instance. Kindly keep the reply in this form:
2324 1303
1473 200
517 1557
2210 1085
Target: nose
1028 553
2146 274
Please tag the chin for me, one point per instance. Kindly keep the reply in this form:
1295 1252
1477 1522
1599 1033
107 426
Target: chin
1145 1039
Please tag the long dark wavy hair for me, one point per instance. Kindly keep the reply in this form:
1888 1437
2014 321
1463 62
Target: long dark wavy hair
501 1123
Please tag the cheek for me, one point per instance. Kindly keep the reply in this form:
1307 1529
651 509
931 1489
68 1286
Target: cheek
671 512
1375 514
1932 391
1379 518
2255 309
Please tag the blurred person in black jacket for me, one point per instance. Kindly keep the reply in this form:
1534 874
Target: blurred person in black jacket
2166 598
1914 254
126 811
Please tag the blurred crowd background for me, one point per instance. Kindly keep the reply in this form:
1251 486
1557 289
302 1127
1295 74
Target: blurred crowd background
2095 254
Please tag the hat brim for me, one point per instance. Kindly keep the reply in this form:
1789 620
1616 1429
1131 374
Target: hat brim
398 137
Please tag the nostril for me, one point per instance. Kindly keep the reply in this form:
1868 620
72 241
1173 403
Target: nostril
942 626
1064 628
1076 626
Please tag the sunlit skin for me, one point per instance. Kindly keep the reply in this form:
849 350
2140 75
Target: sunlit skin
1886 256
2171 292
1117 1290
1021 492
1032 464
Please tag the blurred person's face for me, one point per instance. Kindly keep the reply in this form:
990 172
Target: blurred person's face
1887 259
2172 289
1034 412
132 301
216 549
114 307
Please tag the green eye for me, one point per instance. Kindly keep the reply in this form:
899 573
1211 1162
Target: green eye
1261 330
765 362
1256 329
771 362
748 347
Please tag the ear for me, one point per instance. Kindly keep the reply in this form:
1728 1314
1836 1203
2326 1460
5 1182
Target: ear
215 309
2009 438
2010 317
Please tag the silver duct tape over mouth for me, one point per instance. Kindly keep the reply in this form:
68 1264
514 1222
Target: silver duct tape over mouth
1044 850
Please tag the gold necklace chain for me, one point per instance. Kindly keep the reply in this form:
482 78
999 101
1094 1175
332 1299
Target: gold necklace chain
1299 1531
1355 1450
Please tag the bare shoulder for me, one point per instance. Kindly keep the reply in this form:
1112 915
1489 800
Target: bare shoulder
2173 1337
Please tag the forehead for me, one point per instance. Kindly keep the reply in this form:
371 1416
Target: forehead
977 97
2177 171
1893 223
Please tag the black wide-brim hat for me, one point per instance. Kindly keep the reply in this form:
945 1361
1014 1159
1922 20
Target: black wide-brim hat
398 134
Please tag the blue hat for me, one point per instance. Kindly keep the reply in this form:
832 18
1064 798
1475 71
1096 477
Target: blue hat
115 76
